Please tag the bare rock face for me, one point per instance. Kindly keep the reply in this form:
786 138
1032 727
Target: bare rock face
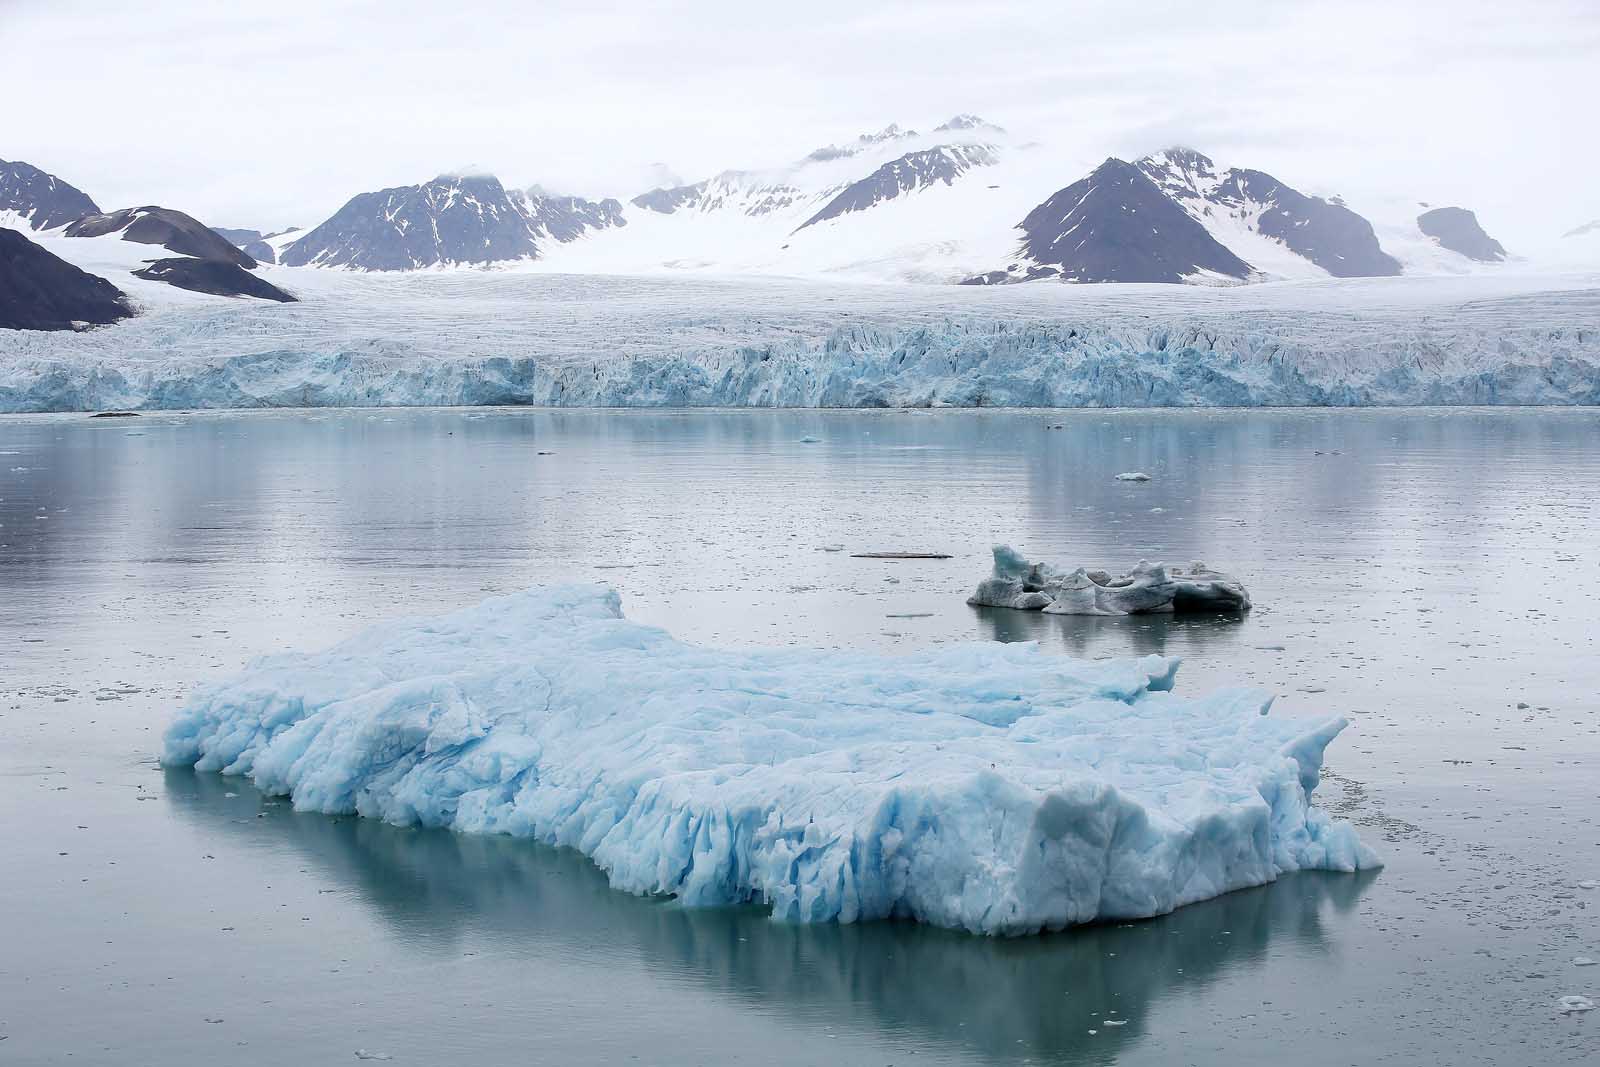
211 276
1149 587
1457 229
41 291
172 230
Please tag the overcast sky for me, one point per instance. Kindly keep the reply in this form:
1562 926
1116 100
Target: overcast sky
269 114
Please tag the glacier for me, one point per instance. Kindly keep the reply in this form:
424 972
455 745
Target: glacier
449 338
989 787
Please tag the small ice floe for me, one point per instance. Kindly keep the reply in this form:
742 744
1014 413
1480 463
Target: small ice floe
368 1054
1589 883
809 440
1149 587
1133 476
1582 961
1574 1005
833 548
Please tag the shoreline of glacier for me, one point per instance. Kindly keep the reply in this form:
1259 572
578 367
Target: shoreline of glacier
990 787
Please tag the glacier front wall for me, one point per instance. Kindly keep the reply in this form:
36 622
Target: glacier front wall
539 340
990 787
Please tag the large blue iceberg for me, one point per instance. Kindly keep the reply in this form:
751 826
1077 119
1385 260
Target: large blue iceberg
991 787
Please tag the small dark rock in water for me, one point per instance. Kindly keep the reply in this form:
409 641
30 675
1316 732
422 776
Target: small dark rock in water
899 555
115 415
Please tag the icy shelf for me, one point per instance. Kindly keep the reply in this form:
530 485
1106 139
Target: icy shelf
469 337
991 787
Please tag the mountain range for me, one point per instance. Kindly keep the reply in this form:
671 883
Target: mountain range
963 202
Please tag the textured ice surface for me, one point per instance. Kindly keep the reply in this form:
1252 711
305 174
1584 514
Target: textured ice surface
991 787
500 337
1149 587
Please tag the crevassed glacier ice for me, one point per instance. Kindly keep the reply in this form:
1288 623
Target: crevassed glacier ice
990 787
504 338
1149 587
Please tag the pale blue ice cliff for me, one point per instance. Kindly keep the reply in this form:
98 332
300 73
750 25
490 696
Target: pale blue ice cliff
991 787
470 338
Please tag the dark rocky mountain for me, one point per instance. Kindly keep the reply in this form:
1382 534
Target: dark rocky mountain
451 220
1326 232
172 230
1457 229
1116 225
566 218
666 201
212 276
41 291
252 242
909 173
1323 231
42 200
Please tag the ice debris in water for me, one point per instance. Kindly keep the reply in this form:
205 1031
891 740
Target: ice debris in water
993 787
1573 1005
1149 587
1133 476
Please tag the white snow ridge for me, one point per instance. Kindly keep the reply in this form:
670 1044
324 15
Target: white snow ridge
991 787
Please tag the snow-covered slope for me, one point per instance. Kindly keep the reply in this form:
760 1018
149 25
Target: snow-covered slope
989 787
894 205
499 337
1256 210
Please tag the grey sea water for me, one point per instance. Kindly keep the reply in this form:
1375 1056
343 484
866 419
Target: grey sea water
1431 575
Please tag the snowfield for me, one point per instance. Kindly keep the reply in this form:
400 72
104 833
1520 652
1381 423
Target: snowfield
989 787
526 336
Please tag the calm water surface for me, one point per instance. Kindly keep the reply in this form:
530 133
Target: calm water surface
1432 575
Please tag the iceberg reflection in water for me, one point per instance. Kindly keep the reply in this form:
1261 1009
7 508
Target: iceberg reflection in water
436 891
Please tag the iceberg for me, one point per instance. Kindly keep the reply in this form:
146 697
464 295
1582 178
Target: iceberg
1149 587
990 787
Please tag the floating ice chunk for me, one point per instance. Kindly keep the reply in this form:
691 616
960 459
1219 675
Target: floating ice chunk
1582 961
810 440
1573 1005
1149 587
1133 476
992 787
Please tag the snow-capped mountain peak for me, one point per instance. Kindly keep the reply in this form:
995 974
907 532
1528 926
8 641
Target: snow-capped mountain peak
37 200
453 219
